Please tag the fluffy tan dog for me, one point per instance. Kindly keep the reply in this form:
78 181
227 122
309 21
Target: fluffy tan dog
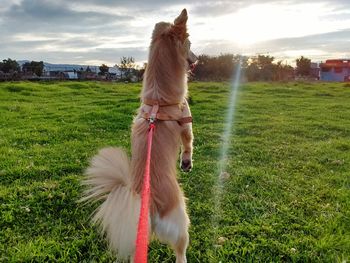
118 181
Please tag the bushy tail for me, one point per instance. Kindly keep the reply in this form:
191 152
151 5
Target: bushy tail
108 179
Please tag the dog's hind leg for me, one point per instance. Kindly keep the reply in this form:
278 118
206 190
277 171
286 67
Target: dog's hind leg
180 249
173 229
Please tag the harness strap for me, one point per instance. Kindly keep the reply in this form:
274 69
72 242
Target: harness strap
165 117
185 120
160 103
154 114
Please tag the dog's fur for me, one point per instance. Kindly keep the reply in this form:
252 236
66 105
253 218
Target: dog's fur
118 181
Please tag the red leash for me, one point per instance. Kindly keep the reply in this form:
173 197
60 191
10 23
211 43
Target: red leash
142 229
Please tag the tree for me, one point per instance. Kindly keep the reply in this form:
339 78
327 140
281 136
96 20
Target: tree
263 68
203 69
283 72
9 66
260 67
103 69
127 67
218 68
33 67
252 72
266 66
303 66
26 68
142 71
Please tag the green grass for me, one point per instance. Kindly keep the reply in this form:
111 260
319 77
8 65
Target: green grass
287 200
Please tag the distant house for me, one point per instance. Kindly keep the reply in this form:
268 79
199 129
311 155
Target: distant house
52 69
71 74
82 72
114 73
315 71
335 70
66 75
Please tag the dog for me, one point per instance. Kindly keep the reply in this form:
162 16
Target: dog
118 181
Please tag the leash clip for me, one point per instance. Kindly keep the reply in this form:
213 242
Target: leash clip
152 120
153 115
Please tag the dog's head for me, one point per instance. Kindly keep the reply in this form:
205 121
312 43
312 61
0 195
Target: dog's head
177 33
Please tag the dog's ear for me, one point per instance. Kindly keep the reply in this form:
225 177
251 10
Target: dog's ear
181 19
179 28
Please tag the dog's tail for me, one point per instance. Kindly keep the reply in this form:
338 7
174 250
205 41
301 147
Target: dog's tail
108 179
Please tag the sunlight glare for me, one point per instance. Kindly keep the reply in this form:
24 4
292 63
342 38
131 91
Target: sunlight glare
262 22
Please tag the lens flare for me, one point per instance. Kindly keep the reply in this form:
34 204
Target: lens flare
223 175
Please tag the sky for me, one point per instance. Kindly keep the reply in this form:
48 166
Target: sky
102 31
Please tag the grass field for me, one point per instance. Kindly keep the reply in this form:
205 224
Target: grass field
287 199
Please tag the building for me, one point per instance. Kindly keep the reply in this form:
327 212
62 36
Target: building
335 70
77 72
71 75
114 73
315 71
81 72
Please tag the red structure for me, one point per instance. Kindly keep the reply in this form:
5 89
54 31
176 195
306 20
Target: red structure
335 70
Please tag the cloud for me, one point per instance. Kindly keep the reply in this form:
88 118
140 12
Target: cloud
45 30
329 42
53 11
82 31
49 16
317 47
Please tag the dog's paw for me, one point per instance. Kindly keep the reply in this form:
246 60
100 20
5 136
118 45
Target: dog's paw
186 165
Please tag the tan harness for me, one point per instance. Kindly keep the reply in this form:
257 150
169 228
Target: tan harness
156 110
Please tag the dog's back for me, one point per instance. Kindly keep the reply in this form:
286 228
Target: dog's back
165 191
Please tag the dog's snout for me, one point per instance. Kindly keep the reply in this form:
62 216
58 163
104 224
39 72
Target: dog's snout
192 58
